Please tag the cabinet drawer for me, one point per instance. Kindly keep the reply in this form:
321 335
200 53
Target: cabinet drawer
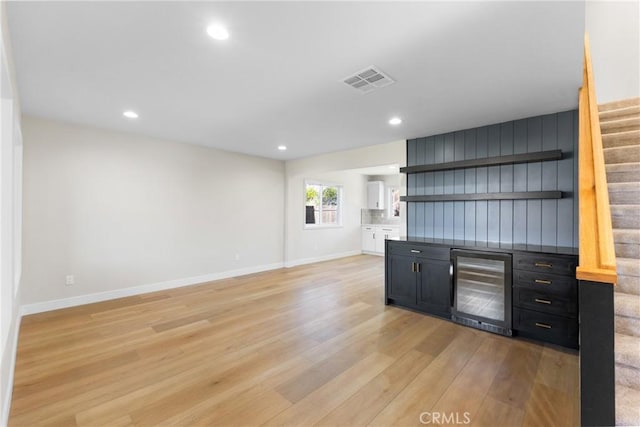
418 251
545 302
389 231
546 327
544 263
554 284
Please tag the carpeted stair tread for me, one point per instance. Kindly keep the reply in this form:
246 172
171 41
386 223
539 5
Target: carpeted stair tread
627 350
627 376
627 305
627 243
622 235
620 113
620 125
625 216
627 406
628 284
624 154
623 172
627 250
628 267
618 139
628 326
616 105
624 193
622 167
624 186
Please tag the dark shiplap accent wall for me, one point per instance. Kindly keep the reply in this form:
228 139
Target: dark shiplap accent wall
532 222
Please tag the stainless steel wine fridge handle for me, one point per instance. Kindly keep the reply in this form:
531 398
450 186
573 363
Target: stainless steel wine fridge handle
451 285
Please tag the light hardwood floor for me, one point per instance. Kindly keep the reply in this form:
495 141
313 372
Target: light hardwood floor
311 345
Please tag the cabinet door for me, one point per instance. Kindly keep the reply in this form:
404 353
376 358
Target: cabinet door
379 238
368 239
384 233
401 283
375 195
394 233
434 287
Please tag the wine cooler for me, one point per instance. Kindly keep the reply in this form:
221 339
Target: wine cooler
481 290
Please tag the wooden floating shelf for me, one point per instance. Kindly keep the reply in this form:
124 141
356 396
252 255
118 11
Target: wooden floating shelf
513 159
523 195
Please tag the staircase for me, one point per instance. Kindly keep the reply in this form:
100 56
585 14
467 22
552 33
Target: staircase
620 125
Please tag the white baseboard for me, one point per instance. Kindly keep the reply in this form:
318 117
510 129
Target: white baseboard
7 394
40 307
373 253
329 257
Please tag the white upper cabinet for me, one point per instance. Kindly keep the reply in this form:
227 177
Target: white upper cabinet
375 195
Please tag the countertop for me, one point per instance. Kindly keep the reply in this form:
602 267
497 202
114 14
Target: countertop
492 246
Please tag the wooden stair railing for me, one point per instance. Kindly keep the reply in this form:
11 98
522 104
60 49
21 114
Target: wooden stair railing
597 252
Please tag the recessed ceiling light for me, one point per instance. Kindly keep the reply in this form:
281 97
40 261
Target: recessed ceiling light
130 114
218 32
395 121
282 147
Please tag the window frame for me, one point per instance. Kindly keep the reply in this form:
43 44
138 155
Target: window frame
340 205
390 191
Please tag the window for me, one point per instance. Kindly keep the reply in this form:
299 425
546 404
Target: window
394 201
323 205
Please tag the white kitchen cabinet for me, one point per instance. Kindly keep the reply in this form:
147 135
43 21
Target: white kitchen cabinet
375 195
368 239
373 237
383 233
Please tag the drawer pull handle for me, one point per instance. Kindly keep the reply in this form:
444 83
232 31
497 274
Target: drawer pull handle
414 251
542 301
543 264
543 282
543 325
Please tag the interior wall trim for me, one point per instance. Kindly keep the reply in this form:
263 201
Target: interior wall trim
41 307
12 348
302 261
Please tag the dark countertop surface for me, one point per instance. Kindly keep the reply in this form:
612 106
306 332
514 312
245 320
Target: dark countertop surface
491 246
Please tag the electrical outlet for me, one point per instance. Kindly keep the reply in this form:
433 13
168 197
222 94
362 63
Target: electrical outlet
70 280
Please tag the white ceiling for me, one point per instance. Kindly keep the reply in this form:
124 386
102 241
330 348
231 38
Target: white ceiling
277 80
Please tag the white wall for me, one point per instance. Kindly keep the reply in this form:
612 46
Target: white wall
119 212
313 244
10 217
305 245
614 36
389 180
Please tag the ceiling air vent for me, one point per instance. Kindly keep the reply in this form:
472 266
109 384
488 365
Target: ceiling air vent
369 79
